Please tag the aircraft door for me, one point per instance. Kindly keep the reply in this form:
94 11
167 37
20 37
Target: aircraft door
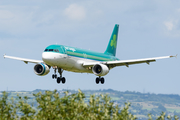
64 51
67 60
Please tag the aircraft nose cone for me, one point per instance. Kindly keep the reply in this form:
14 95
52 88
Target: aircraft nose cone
46 57
49 58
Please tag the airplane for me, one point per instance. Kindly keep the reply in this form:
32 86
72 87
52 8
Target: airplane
61 57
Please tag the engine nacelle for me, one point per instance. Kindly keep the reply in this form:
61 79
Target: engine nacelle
41 69
100 69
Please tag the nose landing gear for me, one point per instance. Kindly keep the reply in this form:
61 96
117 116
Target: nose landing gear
100 79
54 76
59 79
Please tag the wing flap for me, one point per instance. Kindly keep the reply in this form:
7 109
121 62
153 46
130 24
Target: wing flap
24 59
90 64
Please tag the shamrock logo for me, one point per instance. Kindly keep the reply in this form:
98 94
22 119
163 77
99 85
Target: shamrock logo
113 42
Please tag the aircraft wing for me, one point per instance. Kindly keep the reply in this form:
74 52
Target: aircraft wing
126 62
24 59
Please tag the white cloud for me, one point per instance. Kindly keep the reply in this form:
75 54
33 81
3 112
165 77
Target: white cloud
75 12
169 25
178 10
172 28
23 20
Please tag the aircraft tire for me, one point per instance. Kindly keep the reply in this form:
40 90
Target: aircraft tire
102 80
63 80
53 76
97 80
58 80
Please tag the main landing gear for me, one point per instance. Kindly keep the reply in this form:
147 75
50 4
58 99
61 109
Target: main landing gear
100 79
63 79
59 79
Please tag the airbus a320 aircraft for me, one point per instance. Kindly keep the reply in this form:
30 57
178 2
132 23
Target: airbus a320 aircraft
61 57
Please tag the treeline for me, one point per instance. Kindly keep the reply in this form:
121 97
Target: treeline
51 106
138 97
127 95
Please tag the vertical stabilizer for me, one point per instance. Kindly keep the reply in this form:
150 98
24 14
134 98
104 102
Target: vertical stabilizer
111 48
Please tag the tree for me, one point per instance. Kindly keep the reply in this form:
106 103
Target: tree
162 108
50 106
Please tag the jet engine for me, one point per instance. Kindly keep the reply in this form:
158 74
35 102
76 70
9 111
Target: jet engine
100 69
41 69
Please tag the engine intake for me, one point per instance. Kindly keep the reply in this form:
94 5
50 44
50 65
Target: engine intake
100 69
41 69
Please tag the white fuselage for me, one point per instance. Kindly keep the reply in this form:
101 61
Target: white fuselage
69 63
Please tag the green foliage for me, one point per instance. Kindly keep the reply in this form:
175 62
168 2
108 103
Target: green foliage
73 106
7 109
50 106
163 117
25 110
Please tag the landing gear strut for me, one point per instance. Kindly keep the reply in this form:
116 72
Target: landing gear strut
100 79
54 75
59 79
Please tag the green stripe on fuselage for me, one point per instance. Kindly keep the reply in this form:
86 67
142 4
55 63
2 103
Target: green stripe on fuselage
87 54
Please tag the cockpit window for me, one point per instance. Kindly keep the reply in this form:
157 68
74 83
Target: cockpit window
55 50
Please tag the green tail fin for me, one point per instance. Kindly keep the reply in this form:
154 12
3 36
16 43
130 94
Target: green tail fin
111 48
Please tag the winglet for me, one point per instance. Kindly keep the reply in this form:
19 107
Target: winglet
174 55
4 55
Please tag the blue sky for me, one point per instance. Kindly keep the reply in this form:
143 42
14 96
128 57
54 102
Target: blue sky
148 28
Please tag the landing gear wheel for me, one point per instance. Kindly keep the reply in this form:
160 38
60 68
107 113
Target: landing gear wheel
97 80
102 80
63 80
53 76
58 80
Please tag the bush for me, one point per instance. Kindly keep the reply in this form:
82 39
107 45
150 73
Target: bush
50 106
